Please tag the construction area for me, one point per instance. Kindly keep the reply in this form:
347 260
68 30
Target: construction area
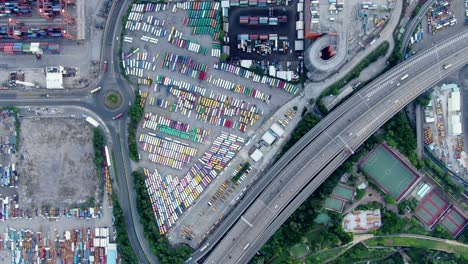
36 34
58 153
443 133
335 30
200 114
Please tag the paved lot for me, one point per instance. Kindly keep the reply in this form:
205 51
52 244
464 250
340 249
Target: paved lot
73 53
458 10
278 99
57 166
208 216
288 29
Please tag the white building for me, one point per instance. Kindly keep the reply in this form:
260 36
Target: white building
454 115
54 77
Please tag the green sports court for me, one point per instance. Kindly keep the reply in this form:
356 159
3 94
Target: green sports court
334 204
392 174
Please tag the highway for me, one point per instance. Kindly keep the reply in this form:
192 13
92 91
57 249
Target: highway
291 180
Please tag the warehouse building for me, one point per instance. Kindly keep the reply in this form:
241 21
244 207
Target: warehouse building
454 114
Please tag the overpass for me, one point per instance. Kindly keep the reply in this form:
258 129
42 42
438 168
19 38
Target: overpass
302 169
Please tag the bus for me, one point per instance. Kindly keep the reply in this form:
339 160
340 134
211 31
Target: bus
404 77
95 89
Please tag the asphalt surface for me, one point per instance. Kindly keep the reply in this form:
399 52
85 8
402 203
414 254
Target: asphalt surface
413 23
324 148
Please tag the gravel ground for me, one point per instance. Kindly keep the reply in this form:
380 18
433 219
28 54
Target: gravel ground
59 154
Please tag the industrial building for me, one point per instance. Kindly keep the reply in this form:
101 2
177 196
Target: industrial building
54 77
454 114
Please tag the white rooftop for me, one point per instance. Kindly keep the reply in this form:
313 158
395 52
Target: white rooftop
268 137
277 129
54 77
256 155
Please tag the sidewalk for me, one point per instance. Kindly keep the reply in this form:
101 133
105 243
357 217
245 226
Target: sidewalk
314 89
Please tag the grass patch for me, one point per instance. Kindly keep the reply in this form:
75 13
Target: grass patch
135 113
113 100
124 248
360 253
326 255
298 250
392 241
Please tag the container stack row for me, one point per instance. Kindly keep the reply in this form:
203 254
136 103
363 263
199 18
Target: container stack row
174 128
176 38
184 65
166 151
84 245
136 65
273 82
8 175
204 17
9 209
237 88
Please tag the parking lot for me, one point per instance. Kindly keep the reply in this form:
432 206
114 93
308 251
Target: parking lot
199 113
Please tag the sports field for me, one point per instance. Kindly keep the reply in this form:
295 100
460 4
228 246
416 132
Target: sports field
343 192
454 221
431 208
334 204
392 174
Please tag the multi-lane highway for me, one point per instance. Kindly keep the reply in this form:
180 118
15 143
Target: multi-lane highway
324 148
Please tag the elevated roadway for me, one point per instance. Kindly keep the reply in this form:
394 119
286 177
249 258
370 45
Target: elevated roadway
291 180
411 26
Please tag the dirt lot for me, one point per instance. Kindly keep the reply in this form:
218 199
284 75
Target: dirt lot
58 168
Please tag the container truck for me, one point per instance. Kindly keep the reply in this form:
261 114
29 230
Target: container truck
118 116
104 67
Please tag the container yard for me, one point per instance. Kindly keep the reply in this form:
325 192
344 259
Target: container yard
50 33
170 196
228 188
440 16
198 112
86 245
443 132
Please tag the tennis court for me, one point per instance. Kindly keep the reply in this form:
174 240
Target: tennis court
431 208
454 221
334 204
343 192
392 174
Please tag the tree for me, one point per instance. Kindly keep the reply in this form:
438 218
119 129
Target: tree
389 200
223 57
